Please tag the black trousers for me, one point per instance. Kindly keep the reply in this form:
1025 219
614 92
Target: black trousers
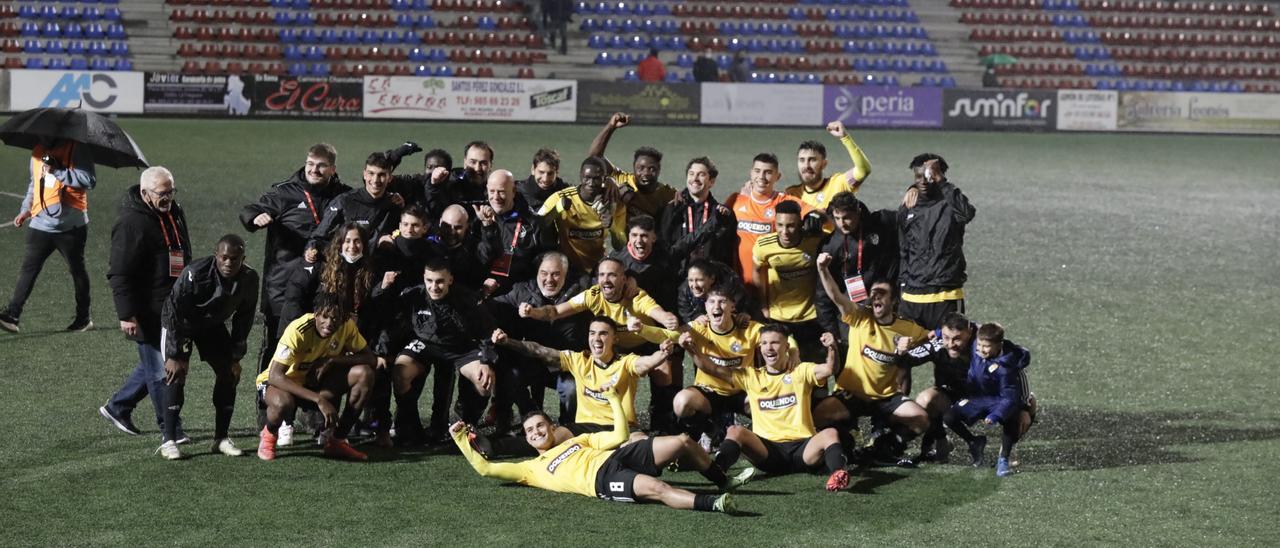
40 245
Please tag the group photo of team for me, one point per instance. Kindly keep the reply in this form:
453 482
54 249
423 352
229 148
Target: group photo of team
582 327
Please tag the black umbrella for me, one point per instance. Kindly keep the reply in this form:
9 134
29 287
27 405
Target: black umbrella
109 145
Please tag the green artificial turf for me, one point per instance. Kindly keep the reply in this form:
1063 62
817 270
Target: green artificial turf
1140 271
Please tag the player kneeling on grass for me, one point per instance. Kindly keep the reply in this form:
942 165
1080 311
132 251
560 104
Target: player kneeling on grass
209 293
782 439
595 466
321 356
997 394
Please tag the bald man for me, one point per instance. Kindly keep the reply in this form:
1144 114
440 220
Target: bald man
457 243
511 236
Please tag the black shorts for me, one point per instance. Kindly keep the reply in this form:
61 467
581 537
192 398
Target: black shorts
929 315
214 344
952 392
722 404
440 356
785 457
580 428
616 479
877 409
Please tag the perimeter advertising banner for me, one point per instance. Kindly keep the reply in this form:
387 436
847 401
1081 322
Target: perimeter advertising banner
657 103
95 91
308 96
762 104
1003 109
878 106
470 99
1086 110
1200 112
196 94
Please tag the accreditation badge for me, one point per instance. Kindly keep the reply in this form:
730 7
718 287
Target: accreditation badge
176 262
856 288
501 266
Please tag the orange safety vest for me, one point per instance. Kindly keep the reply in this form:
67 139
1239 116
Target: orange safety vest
45 196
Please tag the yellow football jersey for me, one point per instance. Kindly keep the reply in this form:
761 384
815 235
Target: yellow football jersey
793 277
593 406
780 402
649 203
869 371
570 467
821 197
301 346
639 306
734 349
582 234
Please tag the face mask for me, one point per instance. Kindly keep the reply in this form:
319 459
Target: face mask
351 259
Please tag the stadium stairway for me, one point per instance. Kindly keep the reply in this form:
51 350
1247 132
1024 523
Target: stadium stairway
149 35
952 40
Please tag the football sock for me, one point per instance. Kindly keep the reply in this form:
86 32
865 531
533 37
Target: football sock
408 420
1008 438
705 503
224 404
833 455
173 399
715 474
933 434
956 425
697 425
346 419
729 452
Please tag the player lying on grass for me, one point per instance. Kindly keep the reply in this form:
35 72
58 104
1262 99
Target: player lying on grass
321 356
782 439
996 392
595 466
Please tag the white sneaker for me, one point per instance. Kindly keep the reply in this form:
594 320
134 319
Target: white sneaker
285 437
226 447
169 450
322 439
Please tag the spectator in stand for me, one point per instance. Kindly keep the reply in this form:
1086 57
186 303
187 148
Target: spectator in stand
705 68
651 68
558 13
740 70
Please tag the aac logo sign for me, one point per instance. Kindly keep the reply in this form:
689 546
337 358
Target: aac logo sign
94 90
89 90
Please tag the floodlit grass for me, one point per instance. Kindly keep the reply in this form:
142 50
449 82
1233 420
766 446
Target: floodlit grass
1139 269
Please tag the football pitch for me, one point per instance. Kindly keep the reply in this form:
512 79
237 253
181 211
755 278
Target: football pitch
1140 270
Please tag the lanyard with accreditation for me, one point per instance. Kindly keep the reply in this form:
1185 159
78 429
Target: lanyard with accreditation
854 285
502 265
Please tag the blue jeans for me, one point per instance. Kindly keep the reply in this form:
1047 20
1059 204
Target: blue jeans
146 378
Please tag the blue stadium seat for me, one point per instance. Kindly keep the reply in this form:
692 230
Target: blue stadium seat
630 76
292 53
282 18
27 11
583 8
50 30
30 30
644 10
609 25
120 49
444 71
320 69
669 26
418 55
75 48
115 31
329 36
422 70
297 69
58 63
95 31
603 58
91 13
426 22
589 24
35 63
637 42
684 60
676 43
486 22
314 53
32 47
96 49
308 36
405 20
98 63
927 81
861 64
629 25
672 77
947 82
596 42
79 63
69 13
437 56
369 37
346 36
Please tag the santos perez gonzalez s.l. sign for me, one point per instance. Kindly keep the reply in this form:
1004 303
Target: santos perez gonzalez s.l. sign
1002 109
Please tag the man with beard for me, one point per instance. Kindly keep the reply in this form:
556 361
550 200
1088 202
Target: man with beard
373 208
782 438
544 179
149 248
931 225
755 209
872 378
450 331
211 292
614 296
811 162
863 246
290 211
696 226
456 243
461 186
585 214
640 188
511 236
550 287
